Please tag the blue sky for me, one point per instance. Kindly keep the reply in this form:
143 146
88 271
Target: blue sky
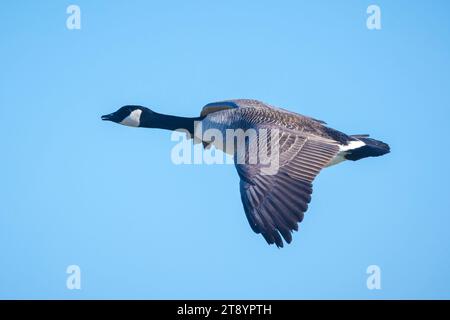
76 190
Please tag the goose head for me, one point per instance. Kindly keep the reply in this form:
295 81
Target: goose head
130 115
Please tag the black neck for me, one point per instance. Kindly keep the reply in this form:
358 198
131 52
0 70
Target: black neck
168 122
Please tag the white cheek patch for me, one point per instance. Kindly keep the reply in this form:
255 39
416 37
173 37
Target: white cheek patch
133 120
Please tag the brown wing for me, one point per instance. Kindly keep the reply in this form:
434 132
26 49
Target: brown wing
274 204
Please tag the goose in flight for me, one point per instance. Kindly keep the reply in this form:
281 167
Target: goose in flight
273 203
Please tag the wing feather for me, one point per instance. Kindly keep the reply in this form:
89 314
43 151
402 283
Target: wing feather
275 204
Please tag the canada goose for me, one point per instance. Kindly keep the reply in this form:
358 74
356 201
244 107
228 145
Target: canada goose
273 204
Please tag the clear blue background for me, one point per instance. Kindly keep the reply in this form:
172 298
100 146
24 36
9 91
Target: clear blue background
76 190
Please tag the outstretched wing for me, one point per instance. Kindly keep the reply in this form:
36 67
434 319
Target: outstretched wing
274 204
